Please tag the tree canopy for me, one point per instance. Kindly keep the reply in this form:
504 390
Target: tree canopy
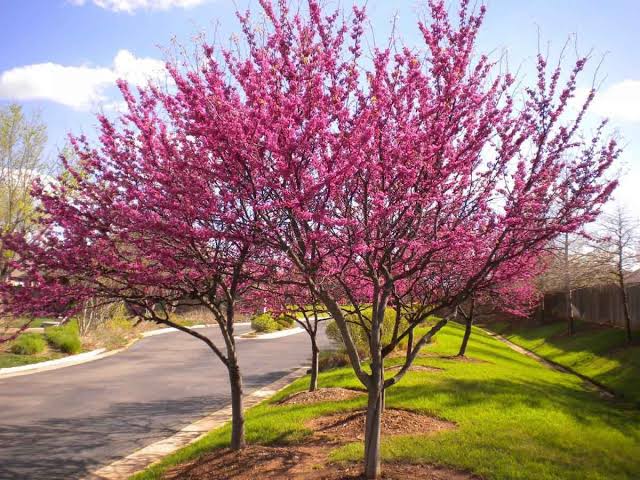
398 178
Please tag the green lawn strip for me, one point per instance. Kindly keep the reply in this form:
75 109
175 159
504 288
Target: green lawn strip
30 347
516 419
599 353
8 359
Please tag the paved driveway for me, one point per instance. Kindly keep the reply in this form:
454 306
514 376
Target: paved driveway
65 423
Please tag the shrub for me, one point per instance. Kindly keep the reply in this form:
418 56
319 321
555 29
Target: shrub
284 322
359 335
265 322
65 338
332 359
28 344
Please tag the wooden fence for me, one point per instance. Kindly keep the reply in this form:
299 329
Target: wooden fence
601 305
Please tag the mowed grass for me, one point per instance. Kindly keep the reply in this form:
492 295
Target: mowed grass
598 352
8 359
31 347
516 419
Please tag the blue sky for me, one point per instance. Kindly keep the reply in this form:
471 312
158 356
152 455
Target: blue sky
61 57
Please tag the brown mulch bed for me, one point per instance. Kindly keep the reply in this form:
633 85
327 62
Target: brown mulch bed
254 462
349 427
297 462
309 460
417 368
332 394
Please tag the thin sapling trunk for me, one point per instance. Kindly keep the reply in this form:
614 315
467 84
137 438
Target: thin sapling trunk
468 318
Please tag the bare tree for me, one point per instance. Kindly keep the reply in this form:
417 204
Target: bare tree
22 142
616 242
95 313
573 264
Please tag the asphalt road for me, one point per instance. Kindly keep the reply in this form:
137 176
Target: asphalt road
66 423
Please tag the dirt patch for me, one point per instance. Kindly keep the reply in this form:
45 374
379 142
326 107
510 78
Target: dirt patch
415 368
298 462
252 463
349 427
332 394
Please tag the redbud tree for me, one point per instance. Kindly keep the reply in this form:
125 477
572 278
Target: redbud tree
516 295
288 295
373 174
368 174
142 220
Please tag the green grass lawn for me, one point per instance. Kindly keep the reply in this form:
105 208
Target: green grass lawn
600 353
56 342
517 419
8 359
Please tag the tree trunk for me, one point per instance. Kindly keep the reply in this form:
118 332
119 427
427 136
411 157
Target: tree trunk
313 384
375 396
372 431
627 314
465 338
237 410
467 329
625 308
571 326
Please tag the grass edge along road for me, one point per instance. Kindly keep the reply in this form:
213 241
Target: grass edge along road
516 419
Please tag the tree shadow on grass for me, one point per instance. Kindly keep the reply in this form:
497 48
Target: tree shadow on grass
582 405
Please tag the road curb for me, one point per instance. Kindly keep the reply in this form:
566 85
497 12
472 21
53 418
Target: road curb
145 457
272 335
56 364
162 331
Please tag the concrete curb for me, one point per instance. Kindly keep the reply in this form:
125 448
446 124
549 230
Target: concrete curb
272 335
57 363
145 457
161 331
87 357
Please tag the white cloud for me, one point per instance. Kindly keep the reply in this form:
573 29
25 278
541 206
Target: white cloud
621 101
136 70
79 87
130 6
76 87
